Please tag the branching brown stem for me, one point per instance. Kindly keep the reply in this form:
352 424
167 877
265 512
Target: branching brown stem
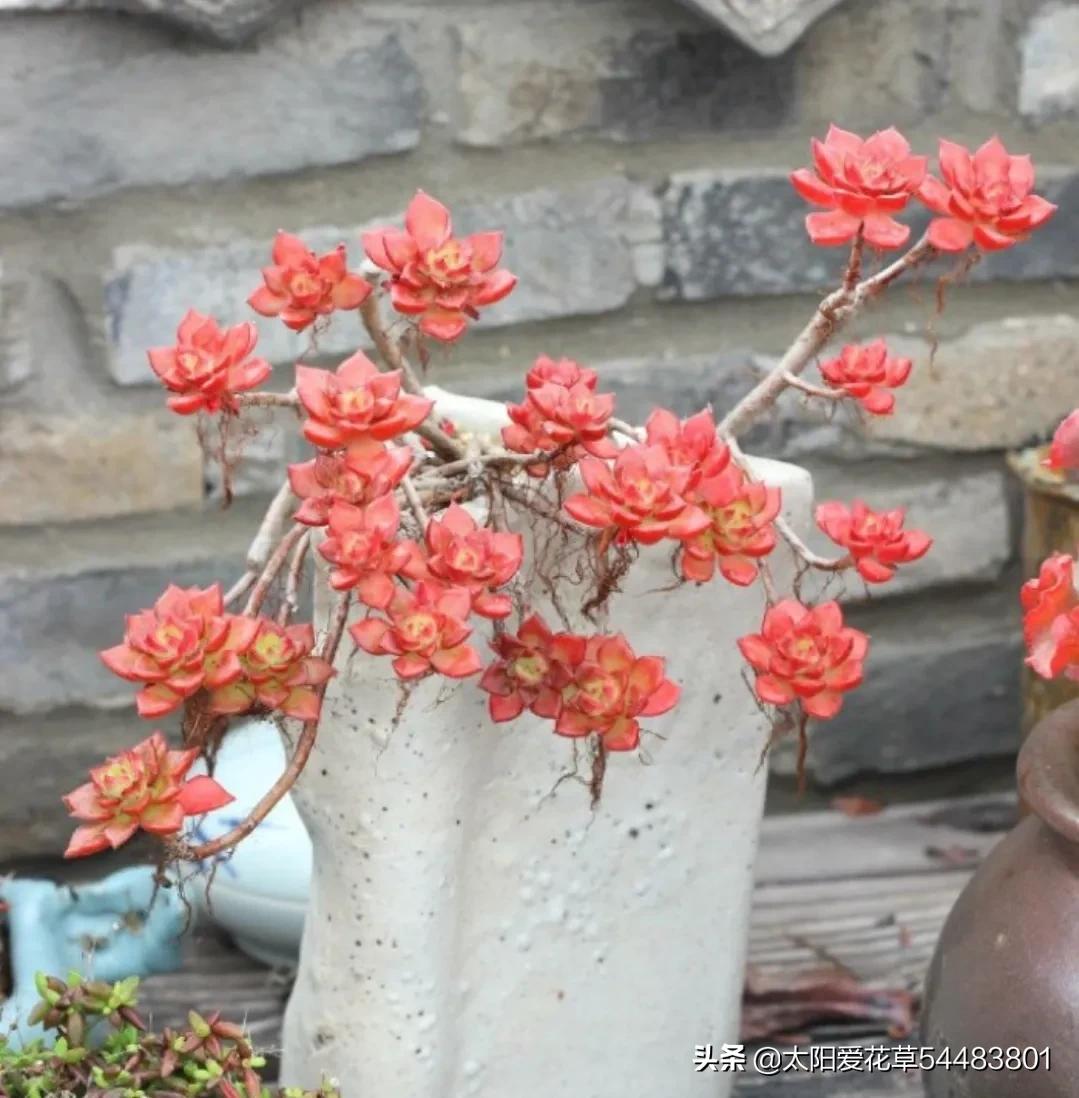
414 502
269 532
273 567
814 560
833 313
292 582
814 390
267 400
302 752
494 458
388 348
394 358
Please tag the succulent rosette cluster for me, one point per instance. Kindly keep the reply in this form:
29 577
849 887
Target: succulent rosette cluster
411 516
585 684
562 416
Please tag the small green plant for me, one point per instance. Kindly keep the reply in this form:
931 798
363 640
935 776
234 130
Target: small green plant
101 1048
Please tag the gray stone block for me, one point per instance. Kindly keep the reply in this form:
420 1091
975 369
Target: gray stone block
1002 384
577 249
64 593
229 22
876 63
91 103
625 71
42 758
1049 82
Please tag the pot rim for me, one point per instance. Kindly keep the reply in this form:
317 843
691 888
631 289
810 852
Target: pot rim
1047 770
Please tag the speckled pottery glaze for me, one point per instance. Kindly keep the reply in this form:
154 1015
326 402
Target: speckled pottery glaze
1005 973
475 928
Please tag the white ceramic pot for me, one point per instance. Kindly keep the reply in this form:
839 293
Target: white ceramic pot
259 892
476 931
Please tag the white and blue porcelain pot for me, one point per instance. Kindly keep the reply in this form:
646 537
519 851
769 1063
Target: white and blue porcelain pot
258 893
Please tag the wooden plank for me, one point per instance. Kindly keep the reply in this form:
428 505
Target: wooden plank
881 1084
815 846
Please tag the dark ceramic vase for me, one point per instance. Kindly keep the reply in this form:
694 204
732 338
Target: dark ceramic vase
1005 974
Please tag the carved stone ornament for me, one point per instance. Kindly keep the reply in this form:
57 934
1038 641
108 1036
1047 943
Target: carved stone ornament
767 26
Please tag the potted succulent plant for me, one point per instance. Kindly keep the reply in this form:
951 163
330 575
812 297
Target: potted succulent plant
98 1046
496 910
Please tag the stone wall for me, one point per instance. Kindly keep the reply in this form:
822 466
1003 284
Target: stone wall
635 151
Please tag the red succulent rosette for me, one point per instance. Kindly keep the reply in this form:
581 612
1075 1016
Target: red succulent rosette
441 279
425 630
358 475
867 373
1049 601
611 687
640 498
692 443
278 673
985 198
740 516
1064 449
143 787
356 402
300 286
208 365
533 667
184 642
462 554
559 371
805 654
875 540
362 546
863 184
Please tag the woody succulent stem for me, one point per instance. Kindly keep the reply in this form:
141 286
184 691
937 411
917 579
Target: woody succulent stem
304 745
832 315
266 537
394 358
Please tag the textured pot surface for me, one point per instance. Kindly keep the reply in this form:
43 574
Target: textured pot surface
1006 970
476 929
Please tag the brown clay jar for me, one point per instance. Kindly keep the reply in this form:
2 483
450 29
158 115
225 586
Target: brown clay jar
1006 970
